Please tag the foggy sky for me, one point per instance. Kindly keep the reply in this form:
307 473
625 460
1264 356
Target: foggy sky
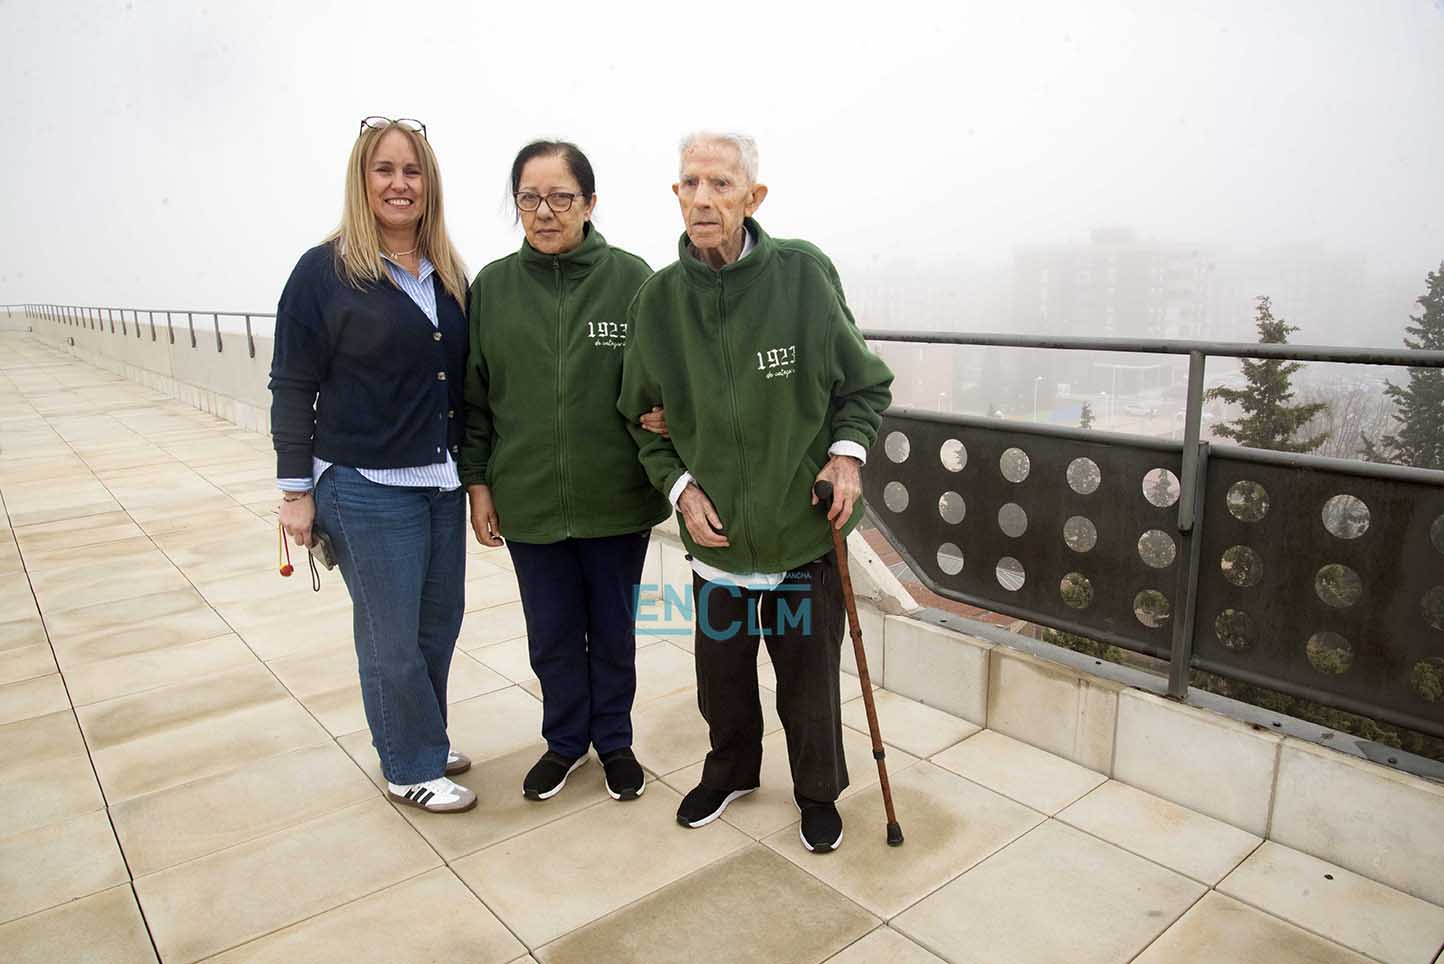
176 155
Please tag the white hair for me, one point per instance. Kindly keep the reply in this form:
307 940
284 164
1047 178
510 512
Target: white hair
746 148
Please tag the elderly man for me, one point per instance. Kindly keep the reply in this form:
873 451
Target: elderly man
767 386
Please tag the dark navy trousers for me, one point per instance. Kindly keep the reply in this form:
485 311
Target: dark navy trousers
579 599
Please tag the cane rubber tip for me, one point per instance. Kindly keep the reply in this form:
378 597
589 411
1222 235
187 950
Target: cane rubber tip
894 835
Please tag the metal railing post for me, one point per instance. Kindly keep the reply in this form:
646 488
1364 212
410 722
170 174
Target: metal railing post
191 323
1190 508
250 339
216 320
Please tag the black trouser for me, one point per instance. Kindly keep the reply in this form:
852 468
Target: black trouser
579 597
802 623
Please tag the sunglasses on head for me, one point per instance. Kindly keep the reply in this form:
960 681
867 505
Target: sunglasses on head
378 123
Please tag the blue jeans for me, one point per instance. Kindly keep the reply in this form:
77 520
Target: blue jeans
579 598
402 553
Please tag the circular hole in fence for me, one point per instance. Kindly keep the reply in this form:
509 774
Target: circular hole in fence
897 447
1015 465
1010 574
1156 549
1151 608
1329 653
1076 590
952 507
895 496
1247 501
1241 566
954 455
950 558
1080 533
1433 605
1234 630
1346 516
1012 520
1084 476
1160 487
1427 678
1436 533
1338 585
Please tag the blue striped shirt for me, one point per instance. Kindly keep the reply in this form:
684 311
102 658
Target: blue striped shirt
441 475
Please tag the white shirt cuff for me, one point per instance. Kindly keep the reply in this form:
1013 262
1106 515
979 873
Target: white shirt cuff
681 484
294 485
844 447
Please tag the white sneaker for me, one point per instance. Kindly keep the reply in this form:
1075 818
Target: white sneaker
436 796
456 763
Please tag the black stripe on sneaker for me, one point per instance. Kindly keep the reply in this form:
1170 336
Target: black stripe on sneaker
424 796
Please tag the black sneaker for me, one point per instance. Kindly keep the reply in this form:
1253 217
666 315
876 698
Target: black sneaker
703 805
821 829
625 779
548 775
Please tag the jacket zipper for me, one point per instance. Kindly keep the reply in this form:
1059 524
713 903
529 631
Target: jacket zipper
561 432
746 530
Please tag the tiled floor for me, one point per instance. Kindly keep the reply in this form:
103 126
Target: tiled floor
185 772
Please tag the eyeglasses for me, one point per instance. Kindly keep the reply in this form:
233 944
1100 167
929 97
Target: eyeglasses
378 123
558 201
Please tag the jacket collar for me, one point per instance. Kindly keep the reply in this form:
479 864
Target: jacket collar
739 273
574 263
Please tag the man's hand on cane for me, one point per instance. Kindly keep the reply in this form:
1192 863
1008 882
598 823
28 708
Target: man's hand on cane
843 473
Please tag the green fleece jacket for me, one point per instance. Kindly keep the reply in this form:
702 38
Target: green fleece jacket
542 427
760 368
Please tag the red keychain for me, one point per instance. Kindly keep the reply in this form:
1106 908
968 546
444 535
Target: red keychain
283 551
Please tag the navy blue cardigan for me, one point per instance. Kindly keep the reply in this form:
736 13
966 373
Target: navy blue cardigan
360 377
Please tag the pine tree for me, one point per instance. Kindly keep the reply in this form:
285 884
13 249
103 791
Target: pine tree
1085 417
1419 405
1269 422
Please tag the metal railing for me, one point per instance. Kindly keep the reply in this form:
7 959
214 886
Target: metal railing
106 319
1315 577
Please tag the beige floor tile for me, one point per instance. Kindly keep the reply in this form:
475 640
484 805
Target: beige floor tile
26 662
69 533
908 724
65 589
599 847
10 560
501 811
1057 896
236 895
1354 911
772 808
327 684
495 624
491 590
669 733
432 917
948 825
23 633
481 567
208 557
45 773
104 928
1033 777
62 861
483 727
205 515
182 823
63 508
885 946
107 679
136 625
662 670
1220 928
17 600
1178 838
294 626
32 697
115 553
746 907
130 457
511 659
163 738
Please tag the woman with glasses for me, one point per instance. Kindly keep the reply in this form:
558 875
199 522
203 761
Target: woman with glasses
547 461
370 354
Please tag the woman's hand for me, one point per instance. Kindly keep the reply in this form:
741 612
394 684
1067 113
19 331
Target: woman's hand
484 521
298 515
655 421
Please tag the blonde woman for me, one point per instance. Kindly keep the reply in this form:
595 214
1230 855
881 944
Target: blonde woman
366 387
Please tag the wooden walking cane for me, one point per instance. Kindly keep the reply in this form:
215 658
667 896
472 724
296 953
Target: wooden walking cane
823 490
